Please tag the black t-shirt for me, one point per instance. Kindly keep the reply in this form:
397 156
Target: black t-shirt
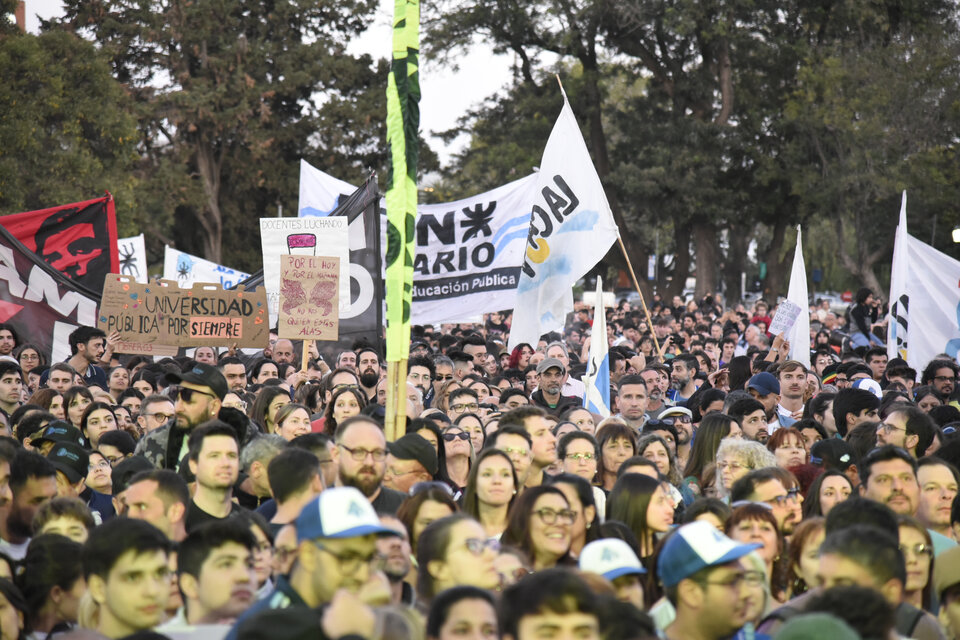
197 516
388 501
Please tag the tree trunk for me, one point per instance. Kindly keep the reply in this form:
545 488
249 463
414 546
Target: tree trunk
681 263
734 265
776 270
210 217
707 250
862 268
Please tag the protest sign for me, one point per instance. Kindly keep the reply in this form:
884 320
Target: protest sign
327 237
150 317
783 321
187 269
309 298
133 257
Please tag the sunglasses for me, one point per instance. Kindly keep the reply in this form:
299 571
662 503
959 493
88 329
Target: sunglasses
186 394
450 437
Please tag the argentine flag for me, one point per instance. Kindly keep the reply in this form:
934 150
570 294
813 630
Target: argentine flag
596 394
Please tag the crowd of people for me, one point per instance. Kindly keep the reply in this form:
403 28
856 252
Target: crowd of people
731 492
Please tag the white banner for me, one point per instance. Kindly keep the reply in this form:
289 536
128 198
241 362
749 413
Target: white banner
899 303
799 333
315 236
133 257
187 269
571 228
468 252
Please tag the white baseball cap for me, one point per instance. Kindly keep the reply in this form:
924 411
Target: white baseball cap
696 546
339 512
611 558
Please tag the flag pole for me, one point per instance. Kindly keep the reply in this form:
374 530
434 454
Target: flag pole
636 285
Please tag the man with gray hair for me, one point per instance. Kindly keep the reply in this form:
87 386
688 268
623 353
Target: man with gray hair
571 386
254 460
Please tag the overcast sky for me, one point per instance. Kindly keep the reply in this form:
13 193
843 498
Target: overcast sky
446 95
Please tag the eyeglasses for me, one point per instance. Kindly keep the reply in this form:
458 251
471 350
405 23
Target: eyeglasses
360 455
103 464
393 472
945 378
345 386
917 550
186 394
550 516
733 466
471 406
790 495
440 378
450 437
350 561
477 546
420 487
886 427
159 415
751 578
511 450
581 457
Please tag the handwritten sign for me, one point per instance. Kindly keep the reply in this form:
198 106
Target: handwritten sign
309 297
153 319
786 316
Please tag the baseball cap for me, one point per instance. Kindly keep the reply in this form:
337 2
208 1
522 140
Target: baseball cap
204 375
696 546
816 625
675 411
868 384
415 447
946 570
549 363
71 459
340 512
611 558
764 383
59 431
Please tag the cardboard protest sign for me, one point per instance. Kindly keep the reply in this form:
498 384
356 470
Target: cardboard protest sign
309 298
787 314
150 317
303 237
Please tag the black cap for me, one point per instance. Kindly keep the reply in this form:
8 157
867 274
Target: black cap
297 623
72 459
204 375
59 431
415 447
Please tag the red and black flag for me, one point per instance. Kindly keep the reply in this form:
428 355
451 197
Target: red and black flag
79 240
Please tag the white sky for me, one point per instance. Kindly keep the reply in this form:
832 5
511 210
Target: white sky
446 94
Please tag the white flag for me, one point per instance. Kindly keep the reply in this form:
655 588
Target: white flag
933 299
897 319
596 393
187 269
799 336
571 228
133 257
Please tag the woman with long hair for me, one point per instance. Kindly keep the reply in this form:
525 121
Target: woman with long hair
540 525
643 504
442 399
491 490
426 505
97 419
755 523
345 403
292 420
263 411
51 581
804 554
118 380
50 400
917 547
713 428
586 524
520 356
617 444
473 425
829 488
459 452
13 611
75 402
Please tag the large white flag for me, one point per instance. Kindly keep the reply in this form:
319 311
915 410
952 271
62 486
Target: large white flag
596 392
797 293
571 228
897 319
187 269
925 285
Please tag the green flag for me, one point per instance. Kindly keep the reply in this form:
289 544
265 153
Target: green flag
403 122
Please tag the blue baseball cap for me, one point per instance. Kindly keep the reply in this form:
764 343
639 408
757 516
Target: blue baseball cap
696 546
340 512
764 383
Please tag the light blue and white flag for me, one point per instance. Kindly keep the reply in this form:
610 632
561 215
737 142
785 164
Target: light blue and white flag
571 229
187 269
596 382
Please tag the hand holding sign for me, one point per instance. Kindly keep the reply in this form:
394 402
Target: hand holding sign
786 317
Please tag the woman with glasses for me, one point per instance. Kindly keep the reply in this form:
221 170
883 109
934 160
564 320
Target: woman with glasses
454 551
579 494
737 458
579 454
491 490
754 523
345 403
459 452
29 357
643 504
788 447
99 473
917 547
617 444
540 525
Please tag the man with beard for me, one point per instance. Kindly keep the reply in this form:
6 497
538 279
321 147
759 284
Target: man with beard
420 374
656 402
632 401
765 389
683 378
368 366
888 475
683 422
214 456
199 399
33 482
361 456
396 554
548 396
